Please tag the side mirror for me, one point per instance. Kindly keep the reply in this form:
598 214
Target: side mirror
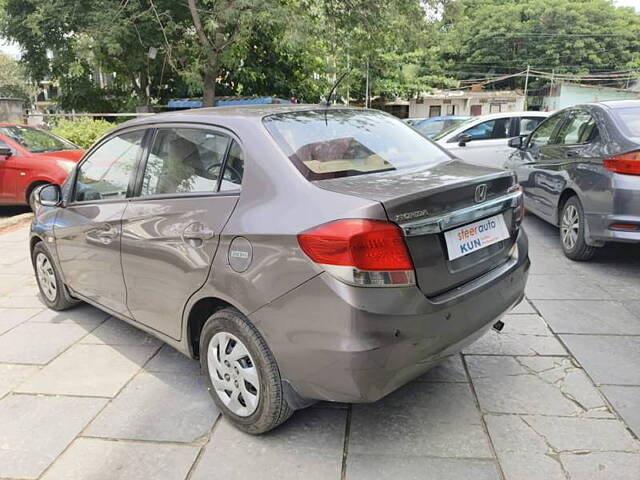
5 152
463 139
516 142
49 195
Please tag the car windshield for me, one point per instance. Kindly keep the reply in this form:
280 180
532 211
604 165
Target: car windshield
333 143
36 140
448 130
630 118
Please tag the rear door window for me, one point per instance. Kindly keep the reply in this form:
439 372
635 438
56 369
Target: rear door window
233 169
331 143
184 160
579 129
106 173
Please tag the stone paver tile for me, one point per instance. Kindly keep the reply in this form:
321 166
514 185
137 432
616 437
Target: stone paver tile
546 263
525 324
97 459
633 307
170 360
37 343
494 343
13 375
25 291
10 317
309 445
117 332
548 386
36 429
85 315
386 467
21 302
523 307
441 402
139 412
564 287
91 370
622 291
583 434
607 359
602 466
415 432
523 454
588 316
450 370
626 401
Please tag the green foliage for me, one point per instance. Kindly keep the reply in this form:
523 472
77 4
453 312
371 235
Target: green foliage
13 80
83 131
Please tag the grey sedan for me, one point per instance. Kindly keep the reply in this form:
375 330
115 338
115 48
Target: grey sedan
301 253
580 170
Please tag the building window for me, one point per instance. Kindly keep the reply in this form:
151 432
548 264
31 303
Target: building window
434 111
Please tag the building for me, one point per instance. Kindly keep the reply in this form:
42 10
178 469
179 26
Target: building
567 94
465 102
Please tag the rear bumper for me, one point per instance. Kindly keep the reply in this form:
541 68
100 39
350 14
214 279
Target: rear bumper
623 207
340 343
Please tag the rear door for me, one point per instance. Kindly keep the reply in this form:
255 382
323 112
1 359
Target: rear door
488 145
88 227
184 196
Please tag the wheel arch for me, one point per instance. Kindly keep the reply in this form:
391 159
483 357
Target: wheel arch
199 313
32 186
564 196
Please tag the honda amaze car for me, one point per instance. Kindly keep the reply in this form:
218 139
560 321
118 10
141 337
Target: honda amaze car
29 158
580 170
301 253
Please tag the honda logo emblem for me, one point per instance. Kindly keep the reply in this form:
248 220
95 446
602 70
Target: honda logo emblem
481 193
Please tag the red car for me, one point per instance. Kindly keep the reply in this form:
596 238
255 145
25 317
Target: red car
30 157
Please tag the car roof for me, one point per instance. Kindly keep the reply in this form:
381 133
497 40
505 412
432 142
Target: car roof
211 114
614 104
491 116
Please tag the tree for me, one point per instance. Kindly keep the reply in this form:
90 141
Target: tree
13 80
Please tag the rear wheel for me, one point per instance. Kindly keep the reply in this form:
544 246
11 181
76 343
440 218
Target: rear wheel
242 374
572 231
53 292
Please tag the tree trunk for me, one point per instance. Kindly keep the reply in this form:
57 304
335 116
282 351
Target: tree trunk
209 88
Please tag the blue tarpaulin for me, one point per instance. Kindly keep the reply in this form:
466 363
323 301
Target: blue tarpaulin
225 102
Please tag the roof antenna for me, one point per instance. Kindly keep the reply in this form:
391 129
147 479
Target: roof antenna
327 102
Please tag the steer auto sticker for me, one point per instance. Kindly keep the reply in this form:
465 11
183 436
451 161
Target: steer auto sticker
474 236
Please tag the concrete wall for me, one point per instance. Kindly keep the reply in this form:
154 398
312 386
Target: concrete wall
11 110
462 105
569 95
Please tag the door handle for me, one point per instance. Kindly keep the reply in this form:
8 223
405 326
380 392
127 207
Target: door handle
197 233
106 233
572 154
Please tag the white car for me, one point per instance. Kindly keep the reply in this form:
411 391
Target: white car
484 140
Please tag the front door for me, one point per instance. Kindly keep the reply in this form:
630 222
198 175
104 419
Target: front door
88 228
172 225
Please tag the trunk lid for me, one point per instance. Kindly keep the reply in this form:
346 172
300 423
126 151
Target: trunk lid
417 197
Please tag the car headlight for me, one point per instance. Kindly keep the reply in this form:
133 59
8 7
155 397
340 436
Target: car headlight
66 165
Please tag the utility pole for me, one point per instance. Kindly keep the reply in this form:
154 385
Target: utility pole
526 86
348 69
366 88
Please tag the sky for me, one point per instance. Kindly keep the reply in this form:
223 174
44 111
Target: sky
13 50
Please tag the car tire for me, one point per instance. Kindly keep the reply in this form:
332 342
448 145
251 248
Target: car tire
53 291
238 363
572 232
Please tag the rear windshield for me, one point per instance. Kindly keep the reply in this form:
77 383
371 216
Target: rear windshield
36 140
332 143
630 118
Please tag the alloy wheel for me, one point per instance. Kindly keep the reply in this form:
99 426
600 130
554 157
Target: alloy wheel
570 227
233 374
46 277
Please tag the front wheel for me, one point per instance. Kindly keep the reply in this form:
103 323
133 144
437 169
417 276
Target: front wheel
242 374
573 231
52 290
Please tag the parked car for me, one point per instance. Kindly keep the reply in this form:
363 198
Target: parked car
484 140
431 127
580 170
31 157
301 253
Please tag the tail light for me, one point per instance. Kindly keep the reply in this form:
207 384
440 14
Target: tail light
519 209
626 163
360 252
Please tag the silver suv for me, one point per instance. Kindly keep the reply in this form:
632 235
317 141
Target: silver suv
301 253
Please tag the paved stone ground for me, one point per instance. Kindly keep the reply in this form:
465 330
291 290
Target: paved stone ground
555 396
